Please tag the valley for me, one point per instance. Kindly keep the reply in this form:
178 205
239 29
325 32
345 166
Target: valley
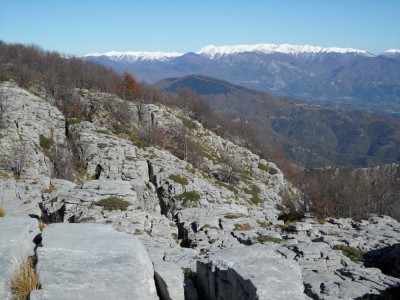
312 135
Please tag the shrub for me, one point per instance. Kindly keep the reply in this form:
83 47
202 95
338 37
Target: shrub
24 280
291 216
178 179
354 254
113 203
272 171
188 198
45 142
263 167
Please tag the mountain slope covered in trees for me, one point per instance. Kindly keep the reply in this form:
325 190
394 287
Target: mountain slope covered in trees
312 135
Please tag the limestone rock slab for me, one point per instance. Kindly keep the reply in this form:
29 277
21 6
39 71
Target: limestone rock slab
16 243
249 273
93 261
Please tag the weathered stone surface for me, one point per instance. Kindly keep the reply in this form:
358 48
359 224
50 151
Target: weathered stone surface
249 273
94 262
300 226
386 259
26 118
16 244
350 283
169 280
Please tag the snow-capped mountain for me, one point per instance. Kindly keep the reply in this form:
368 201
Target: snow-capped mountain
323 75
132 56
392 53
217 51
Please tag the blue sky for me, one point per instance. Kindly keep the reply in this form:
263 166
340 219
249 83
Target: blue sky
81 27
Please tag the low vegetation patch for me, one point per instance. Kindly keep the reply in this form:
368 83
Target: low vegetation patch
73 121
189 198
233 216
45 142
102 145
175 237
25 280
354 254
113 203
263 224
263 167
139 142
49 189
272 171
254 191
268 238
2 212
178 179
228 186
242 227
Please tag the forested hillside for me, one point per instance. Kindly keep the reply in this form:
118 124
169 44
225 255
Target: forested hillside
311 135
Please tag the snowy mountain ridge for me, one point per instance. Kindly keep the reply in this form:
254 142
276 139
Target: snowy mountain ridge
213 51
136 55
392 51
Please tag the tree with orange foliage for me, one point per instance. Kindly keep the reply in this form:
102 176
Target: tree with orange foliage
128 89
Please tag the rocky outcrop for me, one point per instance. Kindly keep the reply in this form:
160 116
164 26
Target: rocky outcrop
248 273
386 259
202 234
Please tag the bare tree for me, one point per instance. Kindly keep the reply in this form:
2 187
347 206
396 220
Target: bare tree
230 169
19 156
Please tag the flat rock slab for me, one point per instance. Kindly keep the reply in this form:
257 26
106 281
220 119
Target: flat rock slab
93 261
252 272
16 244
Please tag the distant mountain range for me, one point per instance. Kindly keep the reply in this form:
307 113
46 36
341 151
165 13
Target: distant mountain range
312 135
338 76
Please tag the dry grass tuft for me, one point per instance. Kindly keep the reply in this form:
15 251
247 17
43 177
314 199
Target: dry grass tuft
42 224
2 212
25 280
243 227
